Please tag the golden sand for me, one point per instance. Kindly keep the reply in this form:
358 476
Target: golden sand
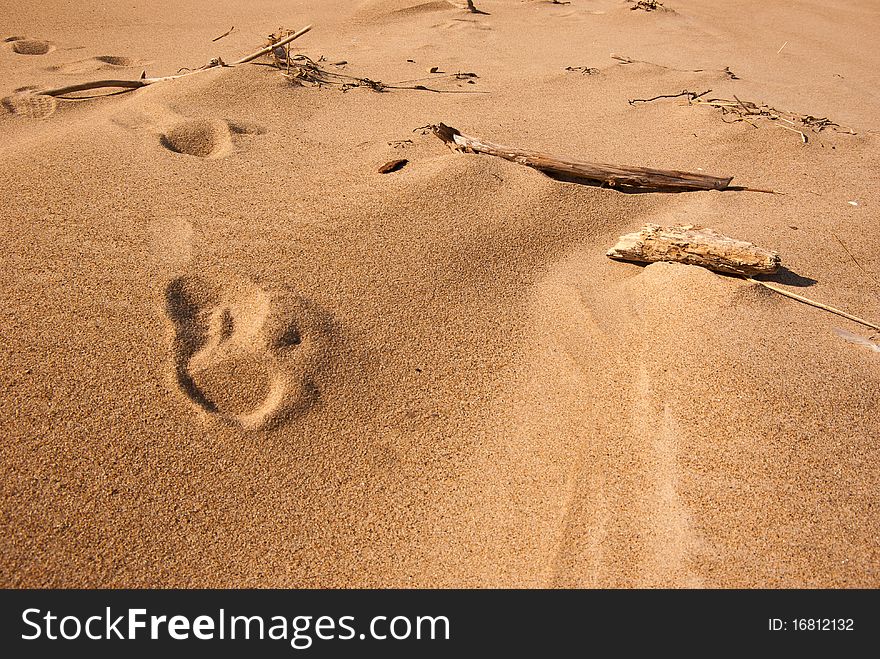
235 354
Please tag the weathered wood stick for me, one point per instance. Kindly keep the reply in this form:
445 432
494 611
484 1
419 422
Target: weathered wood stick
639 178
703 247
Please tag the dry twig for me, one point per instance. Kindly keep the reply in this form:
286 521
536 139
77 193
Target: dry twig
692 96
813 303
225 34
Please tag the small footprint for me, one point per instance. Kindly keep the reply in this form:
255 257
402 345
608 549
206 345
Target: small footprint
99 63
245 356
24 46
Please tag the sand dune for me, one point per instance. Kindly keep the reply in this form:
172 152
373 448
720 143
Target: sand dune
235 354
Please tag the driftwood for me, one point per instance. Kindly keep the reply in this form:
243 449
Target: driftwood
703 247
712 250
617 176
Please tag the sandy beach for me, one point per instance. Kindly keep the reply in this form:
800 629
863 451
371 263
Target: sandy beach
235 354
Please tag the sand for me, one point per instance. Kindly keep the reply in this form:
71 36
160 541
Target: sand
234 354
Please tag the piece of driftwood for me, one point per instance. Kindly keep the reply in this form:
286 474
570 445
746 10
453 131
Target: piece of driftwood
694 246
712 250
617 176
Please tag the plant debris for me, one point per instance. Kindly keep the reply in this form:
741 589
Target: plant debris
303 70
738 110
648 5
585 70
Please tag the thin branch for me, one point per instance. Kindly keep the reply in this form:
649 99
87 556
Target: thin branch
854 260
813 303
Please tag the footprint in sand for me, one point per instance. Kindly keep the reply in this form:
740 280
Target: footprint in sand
202 137
99 63
423 8
25 103
463 24
25 46
245 356
389 10
207 138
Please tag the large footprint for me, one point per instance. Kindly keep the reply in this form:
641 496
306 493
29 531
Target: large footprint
245 356
206 138
25 46
202 137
